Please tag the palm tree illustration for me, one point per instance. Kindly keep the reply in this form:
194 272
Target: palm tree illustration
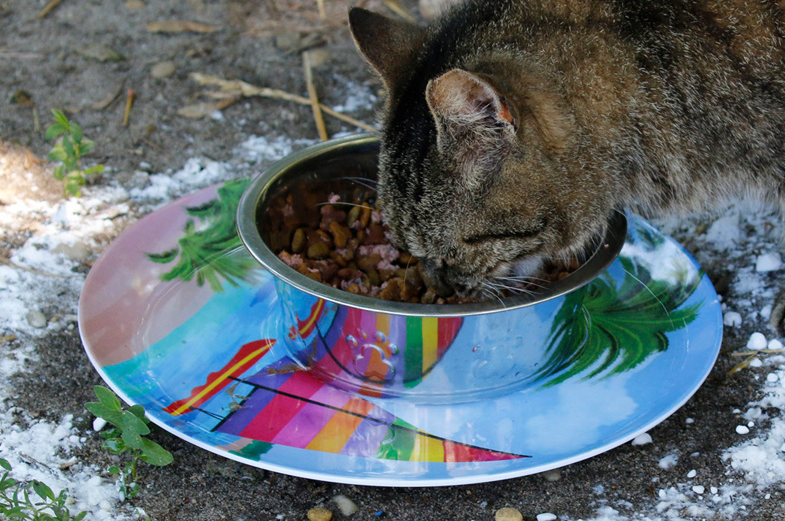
608 327
210 250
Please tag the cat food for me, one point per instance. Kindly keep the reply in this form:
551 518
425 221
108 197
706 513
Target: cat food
348 248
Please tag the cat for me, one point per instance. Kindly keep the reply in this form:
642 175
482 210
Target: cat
514 129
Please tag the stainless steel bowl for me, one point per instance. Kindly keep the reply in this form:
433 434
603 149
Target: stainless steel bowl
345 333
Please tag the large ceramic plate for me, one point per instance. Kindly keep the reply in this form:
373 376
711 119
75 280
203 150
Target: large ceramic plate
175 316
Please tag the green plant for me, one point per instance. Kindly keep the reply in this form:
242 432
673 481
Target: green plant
18 501
69 153
130 425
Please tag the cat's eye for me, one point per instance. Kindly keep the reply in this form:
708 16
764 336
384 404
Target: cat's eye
505 235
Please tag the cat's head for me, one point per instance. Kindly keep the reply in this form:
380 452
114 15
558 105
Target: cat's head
475 178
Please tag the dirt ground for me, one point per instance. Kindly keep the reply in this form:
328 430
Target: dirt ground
85 55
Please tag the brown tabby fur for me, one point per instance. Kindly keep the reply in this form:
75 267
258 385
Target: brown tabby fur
514 128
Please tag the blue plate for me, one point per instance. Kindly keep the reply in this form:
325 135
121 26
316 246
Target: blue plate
177 317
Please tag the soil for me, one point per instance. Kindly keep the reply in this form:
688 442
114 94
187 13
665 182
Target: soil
64 60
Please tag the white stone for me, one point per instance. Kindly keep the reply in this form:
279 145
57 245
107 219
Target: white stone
546 517
691 474
36 319
775 344
699 489
345 505
757 341
642 439
768 262
732 319
98 424
742 429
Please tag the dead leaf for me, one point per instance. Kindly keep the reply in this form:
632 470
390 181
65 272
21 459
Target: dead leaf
111 95
100 52
202 109
22 98
181 26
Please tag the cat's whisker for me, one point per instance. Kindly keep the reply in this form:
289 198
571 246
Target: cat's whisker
345 203
370 184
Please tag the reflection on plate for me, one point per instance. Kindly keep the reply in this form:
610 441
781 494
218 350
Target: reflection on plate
175 316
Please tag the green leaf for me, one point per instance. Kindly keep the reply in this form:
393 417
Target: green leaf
7 483
4 463
59 172
113 416
138 411
154 454
97 169
114 469
133 439
76 132
115 446
107 397
80 516
43 491
68 146
54 130
133 424
57 154
75 177
60 117
86 146
163 258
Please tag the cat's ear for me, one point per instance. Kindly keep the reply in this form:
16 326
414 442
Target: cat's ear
388 45
473 121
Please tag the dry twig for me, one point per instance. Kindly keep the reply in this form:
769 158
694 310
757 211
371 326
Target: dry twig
235 89
129 102
743 364
322 12
317 112
51 5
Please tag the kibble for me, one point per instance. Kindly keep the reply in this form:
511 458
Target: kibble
350 250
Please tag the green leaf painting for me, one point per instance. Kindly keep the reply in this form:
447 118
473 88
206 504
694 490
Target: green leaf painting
204 251
610 327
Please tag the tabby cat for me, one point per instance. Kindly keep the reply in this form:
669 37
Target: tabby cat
514 129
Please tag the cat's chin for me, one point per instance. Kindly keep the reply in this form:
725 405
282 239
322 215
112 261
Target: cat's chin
527 267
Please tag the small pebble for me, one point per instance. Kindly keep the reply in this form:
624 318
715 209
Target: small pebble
691 474
345 505
163 69
699 489
732 319
552 475
757 341
768 262
319 514
642 439
98 424
508 514
36 319
775 344
546 517
742 429
714 490
772 377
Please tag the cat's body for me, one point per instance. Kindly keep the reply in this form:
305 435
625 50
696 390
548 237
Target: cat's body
514 128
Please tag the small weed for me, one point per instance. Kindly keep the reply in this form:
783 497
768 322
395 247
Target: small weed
130 426
18 500
69 153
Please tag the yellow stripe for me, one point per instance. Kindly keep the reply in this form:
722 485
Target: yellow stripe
313 316
383 325
430 341
427 449
218 380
